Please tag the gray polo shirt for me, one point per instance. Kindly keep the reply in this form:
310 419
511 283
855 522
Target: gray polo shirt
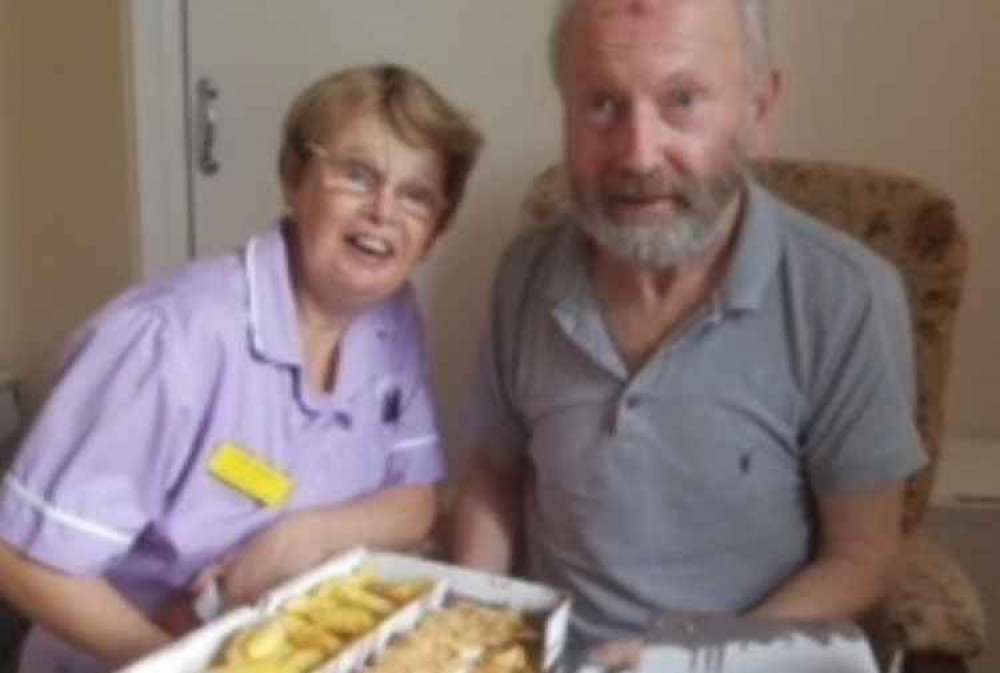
688 485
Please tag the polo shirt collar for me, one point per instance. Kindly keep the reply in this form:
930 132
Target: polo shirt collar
274 323
756 255
567 282
572 301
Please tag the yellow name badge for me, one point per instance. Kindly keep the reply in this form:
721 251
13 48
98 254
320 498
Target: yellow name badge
251 476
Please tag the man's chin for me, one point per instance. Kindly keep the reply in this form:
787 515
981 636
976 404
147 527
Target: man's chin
653 243
633 219
656 213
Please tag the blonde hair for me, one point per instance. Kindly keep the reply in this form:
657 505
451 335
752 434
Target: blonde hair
405 101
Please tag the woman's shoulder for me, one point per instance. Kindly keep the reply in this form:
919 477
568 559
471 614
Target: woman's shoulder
201 297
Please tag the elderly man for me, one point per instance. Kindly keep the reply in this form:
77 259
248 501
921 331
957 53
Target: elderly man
692 395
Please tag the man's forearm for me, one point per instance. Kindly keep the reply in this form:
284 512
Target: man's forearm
86 612
488 519
834 588
861 534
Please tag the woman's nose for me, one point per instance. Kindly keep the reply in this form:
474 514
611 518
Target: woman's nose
381 205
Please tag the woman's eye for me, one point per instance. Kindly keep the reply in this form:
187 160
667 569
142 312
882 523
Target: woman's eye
358 174
420 201
354 175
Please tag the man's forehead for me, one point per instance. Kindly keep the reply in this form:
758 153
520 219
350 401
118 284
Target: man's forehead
714 23
605 10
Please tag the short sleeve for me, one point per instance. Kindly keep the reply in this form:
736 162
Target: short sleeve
862 432
497 428
93 470
496 425
416 453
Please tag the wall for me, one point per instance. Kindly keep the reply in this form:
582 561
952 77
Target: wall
911 85
64 226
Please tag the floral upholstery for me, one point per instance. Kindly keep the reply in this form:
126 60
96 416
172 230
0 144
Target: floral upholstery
936 609
933 611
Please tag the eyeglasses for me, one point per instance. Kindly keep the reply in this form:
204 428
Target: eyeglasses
355 175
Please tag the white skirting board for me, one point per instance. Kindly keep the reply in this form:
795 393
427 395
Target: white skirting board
969 474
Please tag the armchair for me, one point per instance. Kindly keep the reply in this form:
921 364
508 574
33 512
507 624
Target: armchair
933 613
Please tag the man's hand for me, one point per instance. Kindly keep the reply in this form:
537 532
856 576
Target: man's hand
618 655
488 517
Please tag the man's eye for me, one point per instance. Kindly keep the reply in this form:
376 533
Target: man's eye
603 109
682 99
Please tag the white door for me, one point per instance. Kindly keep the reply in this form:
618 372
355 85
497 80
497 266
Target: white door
489 56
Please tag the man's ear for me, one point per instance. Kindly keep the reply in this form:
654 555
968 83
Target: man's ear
766 98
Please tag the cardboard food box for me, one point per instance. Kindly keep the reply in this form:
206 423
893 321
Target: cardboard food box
714 643
198 651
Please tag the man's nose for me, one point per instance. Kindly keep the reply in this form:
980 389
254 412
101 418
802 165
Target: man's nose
642 135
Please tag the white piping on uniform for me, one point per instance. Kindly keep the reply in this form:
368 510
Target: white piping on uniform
65 518
251 272
416 442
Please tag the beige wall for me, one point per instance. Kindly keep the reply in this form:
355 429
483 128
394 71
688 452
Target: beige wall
8 277
911 85
63 197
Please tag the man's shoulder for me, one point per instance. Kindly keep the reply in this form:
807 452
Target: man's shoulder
534 251
827 260
537 242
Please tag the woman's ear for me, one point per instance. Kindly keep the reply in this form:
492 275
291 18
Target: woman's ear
288 198
431 240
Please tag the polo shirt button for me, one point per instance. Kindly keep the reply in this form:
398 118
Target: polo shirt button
632 402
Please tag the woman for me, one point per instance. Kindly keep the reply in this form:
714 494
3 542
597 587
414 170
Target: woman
254 413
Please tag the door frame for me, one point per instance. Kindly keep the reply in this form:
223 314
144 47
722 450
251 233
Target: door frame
154 44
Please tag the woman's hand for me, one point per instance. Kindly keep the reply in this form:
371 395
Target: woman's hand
183 613
287 548
396 518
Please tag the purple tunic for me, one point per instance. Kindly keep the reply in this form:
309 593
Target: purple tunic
113 478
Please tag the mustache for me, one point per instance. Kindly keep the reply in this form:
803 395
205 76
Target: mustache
688 193
652 186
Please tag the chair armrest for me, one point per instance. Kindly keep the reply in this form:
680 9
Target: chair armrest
933 607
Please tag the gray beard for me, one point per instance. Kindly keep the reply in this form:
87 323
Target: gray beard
659 243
